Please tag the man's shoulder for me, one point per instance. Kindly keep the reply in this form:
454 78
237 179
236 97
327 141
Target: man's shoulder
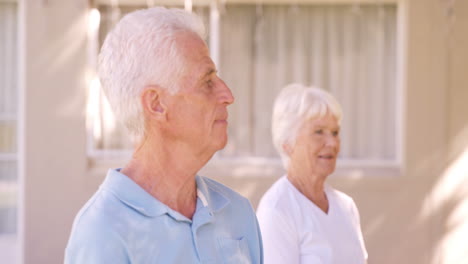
104 212
95 236
96 212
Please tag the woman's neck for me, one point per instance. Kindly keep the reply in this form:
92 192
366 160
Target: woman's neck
311 186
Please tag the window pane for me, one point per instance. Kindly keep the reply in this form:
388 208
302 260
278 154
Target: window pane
7 136
347 50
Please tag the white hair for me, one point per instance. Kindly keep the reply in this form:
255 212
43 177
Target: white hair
141 51
294 105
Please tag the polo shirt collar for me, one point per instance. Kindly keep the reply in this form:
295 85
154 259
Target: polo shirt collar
210 196
131 194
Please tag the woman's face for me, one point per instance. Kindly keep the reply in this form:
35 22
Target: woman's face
317 146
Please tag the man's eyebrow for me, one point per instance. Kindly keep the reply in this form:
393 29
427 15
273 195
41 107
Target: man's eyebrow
209 72
325 126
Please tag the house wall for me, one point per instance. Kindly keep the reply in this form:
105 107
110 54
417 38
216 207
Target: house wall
53 156
413 217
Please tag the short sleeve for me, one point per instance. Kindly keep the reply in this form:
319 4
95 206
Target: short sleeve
96 246
357 221
280 240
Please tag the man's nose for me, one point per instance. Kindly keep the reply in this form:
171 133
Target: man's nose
225 94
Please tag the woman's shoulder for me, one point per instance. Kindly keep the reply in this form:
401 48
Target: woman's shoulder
278 197
338 195
341 199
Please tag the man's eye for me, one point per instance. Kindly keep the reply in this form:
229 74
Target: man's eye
336 133
318 131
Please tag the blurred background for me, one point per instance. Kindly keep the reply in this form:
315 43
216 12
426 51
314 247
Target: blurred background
398 67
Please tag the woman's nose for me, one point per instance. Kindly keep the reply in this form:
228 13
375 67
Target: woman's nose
332 140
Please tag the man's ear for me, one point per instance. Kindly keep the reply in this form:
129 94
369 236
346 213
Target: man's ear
287 148
152 103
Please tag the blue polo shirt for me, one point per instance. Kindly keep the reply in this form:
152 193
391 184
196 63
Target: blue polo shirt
122 223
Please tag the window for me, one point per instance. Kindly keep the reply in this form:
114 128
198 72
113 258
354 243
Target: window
8 131
348 49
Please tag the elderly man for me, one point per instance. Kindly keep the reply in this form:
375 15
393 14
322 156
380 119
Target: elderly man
159 79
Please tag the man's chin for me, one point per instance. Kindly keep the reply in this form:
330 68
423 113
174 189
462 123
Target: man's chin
221 143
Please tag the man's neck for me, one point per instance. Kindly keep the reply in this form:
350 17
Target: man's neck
167 175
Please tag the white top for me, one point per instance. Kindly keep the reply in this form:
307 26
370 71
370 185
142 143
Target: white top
295 230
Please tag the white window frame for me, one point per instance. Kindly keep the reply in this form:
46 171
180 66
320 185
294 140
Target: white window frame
272 167
10 116
17 156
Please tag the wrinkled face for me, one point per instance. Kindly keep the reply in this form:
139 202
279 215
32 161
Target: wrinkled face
317 146
198 111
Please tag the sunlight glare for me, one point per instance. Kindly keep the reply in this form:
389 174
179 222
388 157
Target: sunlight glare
94 21
188 5
92 108
451 191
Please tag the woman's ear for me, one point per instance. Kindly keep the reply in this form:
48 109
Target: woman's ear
152 103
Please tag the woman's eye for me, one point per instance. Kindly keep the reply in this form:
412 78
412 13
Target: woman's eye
336 133
319 132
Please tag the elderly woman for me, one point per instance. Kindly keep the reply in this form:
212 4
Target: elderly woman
302 219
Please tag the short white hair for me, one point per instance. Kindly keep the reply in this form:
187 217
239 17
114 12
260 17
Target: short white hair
141 51
294 105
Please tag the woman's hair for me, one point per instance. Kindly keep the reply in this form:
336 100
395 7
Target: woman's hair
141 51
294 105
